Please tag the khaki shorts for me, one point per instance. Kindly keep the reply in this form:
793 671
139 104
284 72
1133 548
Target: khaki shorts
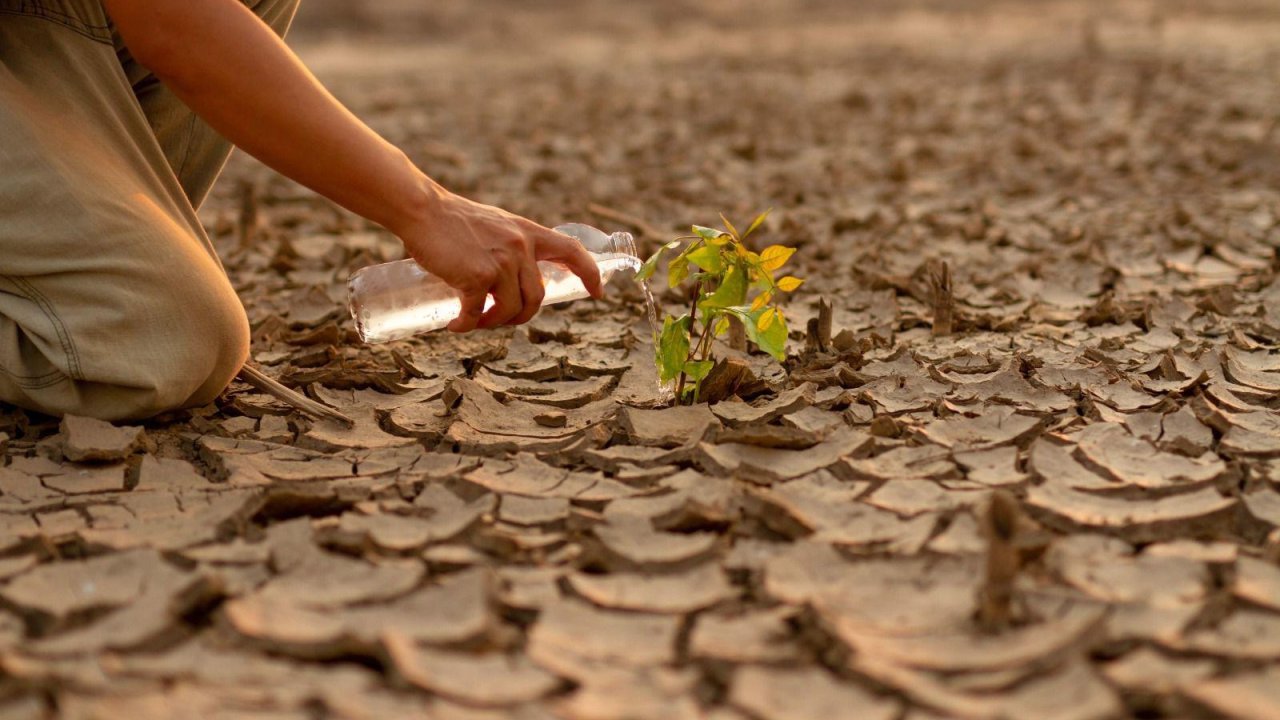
113 303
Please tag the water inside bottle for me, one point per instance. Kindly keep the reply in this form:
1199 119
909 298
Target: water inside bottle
404 312
398 300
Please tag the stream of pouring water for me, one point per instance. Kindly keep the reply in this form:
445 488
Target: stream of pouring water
596 240
651 309
665 391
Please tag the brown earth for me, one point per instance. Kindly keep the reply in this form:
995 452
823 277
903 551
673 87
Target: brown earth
1067 507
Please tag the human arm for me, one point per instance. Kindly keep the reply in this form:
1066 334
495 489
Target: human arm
236 74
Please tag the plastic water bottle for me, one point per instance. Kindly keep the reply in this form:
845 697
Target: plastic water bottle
396 300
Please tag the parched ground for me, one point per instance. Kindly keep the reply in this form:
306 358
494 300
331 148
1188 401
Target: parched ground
1066 508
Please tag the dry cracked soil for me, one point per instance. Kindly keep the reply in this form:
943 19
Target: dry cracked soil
1063 506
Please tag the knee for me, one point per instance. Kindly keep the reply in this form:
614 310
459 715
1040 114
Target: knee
179 345
219 352
210 349
191 350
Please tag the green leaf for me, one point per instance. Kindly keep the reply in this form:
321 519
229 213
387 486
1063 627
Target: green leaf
789 283
775 256
772 340
677 270
732 290
708 258
673 347
757 222
729 226
650 266
698 369
711 235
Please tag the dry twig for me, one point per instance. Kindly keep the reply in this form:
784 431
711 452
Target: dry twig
737 338
263 382
996 596
638 224
248 222
818 330
943 300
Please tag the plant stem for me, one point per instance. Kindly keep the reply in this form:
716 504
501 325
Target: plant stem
693 321
704 342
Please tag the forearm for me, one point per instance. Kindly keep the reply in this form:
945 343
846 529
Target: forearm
240 78
234 72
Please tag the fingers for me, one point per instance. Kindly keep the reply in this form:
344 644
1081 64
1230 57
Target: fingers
507 300
472 310
513 288
565 250
531 291
509 273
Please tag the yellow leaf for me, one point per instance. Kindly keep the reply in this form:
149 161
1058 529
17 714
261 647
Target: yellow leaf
761 300
789 283
729 226
758 221
767 318
775 256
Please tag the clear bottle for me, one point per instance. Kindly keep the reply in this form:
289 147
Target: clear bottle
396 300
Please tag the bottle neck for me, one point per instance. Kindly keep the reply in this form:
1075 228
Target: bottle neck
623 243
598 242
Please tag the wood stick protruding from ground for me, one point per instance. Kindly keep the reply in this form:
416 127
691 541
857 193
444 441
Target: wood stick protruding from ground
943 300
248 223
996 606
737 334
640 225
265 383
818 330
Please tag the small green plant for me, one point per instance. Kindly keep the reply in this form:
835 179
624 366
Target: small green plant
724 274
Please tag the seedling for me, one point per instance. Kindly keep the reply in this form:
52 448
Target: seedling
724 275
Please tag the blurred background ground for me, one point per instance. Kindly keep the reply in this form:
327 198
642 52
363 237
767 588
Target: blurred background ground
783 99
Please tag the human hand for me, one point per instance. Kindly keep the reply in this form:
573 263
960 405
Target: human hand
481 250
